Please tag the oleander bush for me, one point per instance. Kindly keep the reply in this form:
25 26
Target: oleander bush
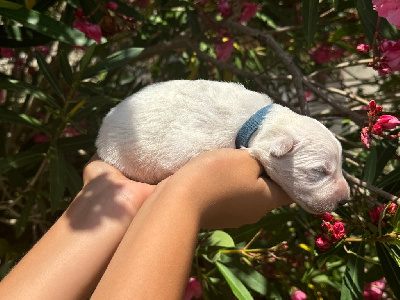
64 64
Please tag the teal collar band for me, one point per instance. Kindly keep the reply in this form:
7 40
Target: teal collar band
250 126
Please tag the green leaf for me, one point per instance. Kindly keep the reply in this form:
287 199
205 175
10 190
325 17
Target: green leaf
24 216
309 12
85 60
249 277
75 143
390 178
271 220
19 160
219 238
390 268
13 117
65 67
16 37
11 84
377 160
353 280
115 60
57 178
237 287
48 74
368 17
8 4
47 26
73 180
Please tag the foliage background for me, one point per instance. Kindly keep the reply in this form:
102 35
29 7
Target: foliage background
52 104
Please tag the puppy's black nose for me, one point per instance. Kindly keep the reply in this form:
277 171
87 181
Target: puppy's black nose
343 202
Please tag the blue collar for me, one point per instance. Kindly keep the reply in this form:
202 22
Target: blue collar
250 126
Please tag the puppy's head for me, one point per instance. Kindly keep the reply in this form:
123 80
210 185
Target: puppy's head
304 158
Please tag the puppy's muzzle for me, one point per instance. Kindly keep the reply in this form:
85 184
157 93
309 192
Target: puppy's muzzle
343 202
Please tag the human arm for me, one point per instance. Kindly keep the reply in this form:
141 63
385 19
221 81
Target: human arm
69 260
218 189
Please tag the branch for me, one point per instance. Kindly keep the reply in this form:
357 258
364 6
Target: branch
370 187
284 57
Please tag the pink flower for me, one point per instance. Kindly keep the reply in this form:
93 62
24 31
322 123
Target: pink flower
327 229
363 48
366 137
339 231
377 129
326 53
391 210
44 50
375 213
193 289
224 50
298 295
249 9
91 30
326 217
112 6
391 55
224 8
373 290
388 122
389 9
7 52
322 243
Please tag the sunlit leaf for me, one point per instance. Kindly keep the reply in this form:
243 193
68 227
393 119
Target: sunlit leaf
390 268
47 26
309 12
237 287
353 279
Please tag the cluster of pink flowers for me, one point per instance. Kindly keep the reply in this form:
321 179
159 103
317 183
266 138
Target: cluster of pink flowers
193 289
389 9
374 290
224 49
298 295
331 233
377 124
82 24
375 213
389 61
7 52
326 53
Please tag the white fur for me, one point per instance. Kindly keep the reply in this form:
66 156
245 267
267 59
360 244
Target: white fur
154 132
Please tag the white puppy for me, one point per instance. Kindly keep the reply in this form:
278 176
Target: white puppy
154 132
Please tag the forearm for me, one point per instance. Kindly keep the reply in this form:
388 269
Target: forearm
154 258
69 260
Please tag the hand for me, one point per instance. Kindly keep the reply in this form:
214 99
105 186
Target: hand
227 188
100 178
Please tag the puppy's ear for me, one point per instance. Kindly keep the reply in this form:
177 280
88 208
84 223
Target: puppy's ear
281 145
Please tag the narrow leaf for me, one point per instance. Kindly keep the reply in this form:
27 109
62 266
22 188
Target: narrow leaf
390 268
11 84
48 74
309 11
73 180
353 280
115 60
24 216
237 287
17 37
19 160
65 67
57 178
13 117
8 4
47 26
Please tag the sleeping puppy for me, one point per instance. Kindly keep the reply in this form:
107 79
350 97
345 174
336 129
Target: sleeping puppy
154 132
